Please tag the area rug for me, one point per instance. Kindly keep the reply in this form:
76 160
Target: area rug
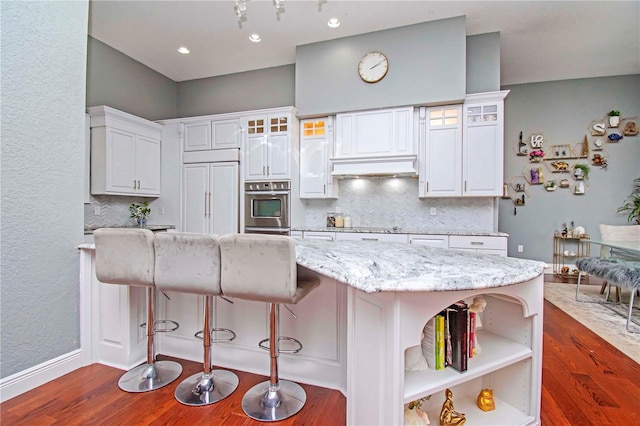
598 318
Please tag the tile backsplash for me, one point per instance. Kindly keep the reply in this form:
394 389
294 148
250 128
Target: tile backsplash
114 211
383 202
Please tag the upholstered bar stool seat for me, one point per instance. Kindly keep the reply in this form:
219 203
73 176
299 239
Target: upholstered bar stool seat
190 263
263 268
126 256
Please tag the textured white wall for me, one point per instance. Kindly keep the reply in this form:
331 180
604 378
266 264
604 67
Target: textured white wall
43 53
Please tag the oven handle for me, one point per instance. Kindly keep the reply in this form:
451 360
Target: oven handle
278 230
267 192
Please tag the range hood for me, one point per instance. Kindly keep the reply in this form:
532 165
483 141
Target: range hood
388 165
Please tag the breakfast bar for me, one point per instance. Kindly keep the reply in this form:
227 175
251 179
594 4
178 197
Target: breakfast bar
371 305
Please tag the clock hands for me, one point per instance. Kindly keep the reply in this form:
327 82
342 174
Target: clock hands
381 61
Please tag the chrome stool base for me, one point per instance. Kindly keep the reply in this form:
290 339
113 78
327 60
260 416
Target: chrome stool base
205 389
148 377
270 405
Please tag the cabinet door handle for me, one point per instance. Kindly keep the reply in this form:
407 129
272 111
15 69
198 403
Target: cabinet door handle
427 186
263 169
267 170
209 203
205 203
465 186
134 184
324 188
138 183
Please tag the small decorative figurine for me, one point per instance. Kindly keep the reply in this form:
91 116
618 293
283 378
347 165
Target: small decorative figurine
478 305
631 129
614 137
521 145
413 414
485 400
534 175
449 416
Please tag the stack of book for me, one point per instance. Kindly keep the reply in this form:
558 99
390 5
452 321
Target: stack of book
449 338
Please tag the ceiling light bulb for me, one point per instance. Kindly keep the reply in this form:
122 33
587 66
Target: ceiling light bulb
255 38
183 50
333 23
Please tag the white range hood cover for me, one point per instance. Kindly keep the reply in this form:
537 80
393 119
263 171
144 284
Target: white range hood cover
398 165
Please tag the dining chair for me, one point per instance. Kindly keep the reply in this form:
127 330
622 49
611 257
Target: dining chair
616 233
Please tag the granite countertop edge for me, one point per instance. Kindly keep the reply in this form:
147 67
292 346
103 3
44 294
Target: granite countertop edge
401 231
89 231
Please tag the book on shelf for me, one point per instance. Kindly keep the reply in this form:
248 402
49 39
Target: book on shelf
472 334
433 342
458 315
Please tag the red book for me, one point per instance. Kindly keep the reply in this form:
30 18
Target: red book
472 334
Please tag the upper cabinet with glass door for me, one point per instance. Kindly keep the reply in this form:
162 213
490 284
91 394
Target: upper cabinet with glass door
267 148
316 147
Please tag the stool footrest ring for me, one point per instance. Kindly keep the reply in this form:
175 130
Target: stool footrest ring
199 335
160 326
262 345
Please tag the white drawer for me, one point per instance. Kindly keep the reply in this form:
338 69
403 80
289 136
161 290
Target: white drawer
313 235
366 236
477 242
441 241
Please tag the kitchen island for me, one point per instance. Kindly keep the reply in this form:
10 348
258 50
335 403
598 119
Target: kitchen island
355 335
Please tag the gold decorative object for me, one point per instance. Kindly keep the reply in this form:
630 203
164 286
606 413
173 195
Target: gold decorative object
449 416
631 129
485 400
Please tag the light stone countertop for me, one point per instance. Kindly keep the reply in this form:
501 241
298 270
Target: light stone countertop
397 230
378 266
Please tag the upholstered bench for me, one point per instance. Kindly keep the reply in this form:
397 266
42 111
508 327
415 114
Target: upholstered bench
624 273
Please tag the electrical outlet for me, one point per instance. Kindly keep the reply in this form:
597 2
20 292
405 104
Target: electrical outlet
520 248
433 211
96 210
161 211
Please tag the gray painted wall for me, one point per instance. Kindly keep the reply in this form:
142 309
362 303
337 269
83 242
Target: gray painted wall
43 96
426 65
265 88
483 63
116 80
563 111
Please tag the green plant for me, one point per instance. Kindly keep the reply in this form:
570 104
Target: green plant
631 205
585 169
614 113
139 211
550 184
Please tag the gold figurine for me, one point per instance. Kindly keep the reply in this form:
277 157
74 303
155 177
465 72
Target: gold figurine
485 400
449 416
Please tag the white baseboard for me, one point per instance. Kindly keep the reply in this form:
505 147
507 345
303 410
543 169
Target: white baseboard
33 377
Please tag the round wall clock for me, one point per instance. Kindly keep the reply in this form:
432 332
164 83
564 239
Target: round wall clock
373 67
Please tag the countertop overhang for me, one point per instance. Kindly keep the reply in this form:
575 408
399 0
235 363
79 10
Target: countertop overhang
398 230
378 266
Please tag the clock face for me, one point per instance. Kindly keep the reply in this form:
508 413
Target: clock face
373 67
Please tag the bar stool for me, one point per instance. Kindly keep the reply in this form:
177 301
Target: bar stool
126 256
190 263
263 267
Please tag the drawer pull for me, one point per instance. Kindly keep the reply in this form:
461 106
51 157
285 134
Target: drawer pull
369 239
477 243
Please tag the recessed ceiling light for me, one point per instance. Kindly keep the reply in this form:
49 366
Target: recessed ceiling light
183 50
255 38
333 23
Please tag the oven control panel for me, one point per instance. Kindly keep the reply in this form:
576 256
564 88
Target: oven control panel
284 185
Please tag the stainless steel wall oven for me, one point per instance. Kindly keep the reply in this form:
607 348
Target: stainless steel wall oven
266 207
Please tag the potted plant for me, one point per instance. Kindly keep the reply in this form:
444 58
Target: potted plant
536 155
581 171
614 118
631 205
550 186
139 212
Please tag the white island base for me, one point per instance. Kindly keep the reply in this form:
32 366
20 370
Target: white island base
355 341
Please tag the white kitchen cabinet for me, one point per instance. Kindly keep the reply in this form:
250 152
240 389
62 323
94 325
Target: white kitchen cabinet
296 235
461 148
441 241
212 134
316 146
371 236
125 153
441 153
319 235
480 244
210 198
483 144
267 146
375 133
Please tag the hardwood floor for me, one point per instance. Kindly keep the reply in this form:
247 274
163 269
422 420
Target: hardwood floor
585 381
